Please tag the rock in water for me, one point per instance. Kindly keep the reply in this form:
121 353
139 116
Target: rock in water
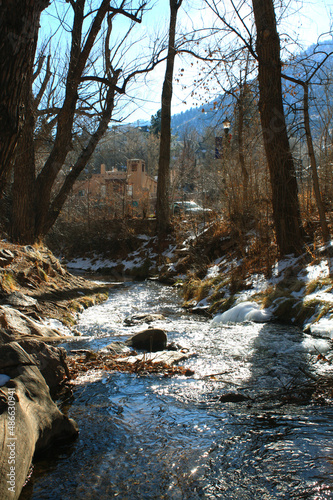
143 318
233 397
151 340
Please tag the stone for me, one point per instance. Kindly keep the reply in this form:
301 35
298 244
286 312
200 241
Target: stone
151 340
16 324
18 299
116 348
30 421
143 318
233 397
50 360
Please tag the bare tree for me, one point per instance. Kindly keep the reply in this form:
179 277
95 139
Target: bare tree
162 208
305 84
286 211
285 205
83 83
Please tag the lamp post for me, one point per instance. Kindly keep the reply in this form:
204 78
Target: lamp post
226 125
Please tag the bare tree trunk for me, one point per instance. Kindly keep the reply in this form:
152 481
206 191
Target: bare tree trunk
241 155
313 163
163 183
63 140
19 25
286 211
23 188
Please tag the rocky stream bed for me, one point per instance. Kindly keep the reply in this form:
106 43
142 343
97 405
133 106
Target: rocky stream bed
40 302
39 305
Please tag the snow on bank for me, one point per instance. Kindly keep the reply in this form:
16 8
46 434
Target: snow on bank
322 328
135 259
245 311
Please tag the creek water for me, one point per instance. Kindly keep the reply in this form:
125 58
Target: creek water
153 437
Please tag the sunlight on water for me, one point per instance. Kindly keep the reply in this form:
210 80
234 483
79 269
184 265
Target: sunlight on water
186 438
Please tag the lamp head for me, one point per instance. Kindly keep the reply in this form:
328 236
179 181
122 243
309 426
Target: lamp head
226 124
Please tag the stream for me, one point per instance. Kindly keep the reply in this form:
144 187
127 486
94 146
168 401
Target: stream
154 437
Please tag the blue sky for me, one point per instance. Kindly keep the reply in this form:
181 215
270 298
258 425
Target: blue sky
306 21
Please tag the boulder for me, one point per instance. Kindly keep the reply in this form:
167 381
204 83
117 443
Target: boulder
151 340
233 397
18 325
29 420
50 360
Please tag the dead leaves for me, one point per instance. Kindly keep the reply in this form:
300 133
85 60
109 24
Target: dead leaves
79 364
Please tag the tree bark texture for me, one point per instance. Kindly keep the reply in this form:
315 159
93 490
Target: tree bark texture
286 211
163 183
23 187
19 26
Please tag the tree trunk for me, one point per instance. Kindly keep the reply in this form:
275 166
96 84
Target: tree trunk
19 26
313 163
241 155
23 188
286 211
163 183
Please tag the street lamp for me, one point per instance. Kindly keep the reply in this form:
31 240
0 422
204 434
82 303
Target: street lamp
226 126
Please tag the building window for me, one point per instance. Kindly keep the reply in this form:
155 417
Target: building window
143 167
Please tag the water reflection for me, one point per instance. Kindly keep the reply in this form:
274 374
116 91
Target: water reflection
158 438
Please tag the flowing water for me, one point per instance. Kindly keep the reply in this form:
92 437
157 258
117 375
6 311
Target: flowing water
154 437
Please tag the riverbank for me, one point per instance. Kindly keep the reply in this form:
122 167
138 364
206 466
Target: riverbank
218 269
41 301
231 279
39 304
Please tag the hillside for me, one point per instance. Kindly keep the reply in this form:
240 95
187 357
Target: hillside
203 116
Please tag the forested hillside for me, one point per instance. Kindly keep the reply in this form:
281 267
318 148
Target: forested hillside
211 114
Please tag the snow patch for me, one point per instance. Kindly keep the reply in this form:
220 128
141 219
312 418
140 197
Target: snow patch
318 271
245 311
322 328
213 272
